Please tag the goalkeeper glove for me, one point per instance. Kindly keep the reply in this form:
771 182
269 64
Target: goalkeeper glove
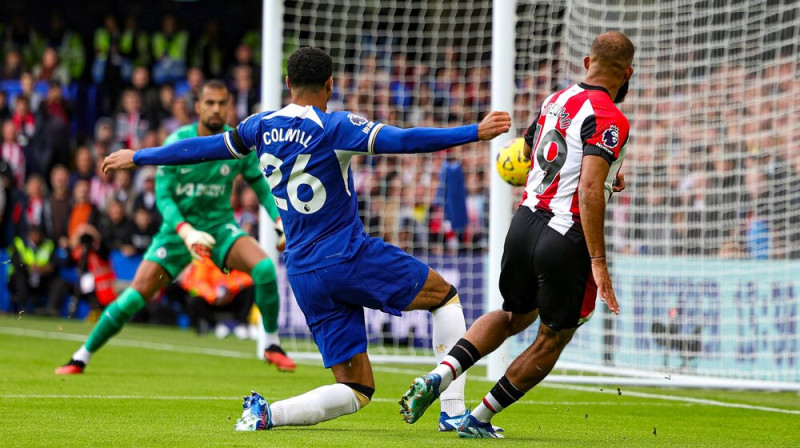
281 244
199 243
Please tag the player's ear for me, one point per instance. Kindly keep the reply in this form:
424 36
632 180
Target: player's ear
288 83
329 86
586 62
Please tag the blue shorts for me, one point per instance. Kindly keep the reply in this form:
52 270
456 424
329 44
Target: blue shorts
380 276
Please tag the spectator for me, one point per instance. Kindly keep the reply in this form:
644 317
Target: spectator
109 63
68 45
7 204
104 142
131 125
209 52
147 198
31 204
144 230
243 93
124 192
11 152
28 85
5 111
53 139
33 270
140 81
452 196
246 214
400 87
84 166
20 35
12 66
57 207
50 69
244 57
134 44
169 51
24 121
92 257
163 109
179 117
83 212
194 79
101 188
116 229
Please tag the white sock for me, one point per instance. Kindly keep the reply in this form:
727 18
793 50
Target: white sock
82 355
482 413
445 370
272 339
318 405
448 327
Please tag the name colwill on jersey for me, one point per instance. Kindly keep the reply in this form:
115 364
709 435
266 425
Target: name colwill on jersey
287 135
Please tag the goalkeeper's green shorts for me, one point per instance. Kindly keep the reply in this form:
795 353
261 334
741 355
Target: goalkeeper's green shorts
169 251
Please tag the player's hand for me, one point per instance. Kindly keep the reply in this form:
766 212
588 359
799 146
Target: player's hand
494 124
120 160
603 281
281 244
619 183
199 243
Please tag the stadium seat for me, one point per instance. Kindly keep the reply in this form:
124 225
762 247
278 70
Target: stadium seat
124 266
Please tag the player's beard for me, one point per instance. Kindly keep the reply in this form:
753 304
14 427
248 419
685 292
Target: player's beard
215 126
623 90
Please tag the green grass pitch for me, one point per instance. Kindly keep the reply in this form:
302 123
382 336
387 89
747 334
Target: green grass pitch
155 386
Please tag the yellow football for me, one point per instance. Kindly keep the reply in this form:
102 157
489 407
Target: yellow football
512 165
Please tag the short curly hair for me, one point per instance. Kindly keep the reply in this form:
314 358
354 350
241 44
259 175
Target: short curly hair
309 67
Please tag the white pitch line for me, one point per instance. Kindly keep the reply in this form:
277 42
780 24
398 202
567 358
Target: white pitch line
702 401
213 398
58 335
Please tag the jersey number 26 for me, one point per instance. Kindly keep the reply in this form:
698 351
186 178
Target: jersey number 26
297 178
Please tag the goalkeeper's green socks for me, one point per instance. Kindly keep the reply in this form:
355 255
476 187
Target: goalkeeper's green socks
114 317
267 298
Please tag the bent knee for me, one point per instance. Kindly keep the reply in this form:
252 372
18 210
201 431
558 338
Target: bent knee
362 393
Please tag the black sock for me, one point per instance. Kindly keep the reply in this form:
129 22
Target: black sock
465 353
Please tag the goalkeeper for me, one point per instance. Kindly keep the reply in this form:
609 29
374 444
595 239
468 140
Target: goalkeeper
198 222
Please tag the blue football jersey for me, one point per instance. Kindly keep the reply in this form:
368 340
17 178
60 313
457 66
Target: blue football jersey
305 154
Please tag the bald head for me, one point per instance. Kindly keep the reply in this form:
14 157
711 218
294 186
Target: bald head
613 50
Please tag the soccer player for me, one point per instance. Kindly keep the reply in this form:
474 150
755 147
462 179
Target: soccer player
198 221
334 267
554 260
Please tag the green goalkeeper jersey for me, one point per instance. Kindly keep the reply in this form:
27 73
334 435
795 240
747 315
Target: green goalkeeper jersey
201 194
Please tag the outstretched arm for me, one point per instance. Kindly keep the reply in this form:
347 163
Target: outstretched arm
182 152
393 140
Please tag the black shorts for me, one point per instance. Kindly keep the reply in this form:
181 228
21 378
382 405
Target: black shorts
542 269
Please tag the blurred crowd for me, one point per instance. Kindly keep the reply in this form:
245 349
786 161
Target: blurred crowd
712 167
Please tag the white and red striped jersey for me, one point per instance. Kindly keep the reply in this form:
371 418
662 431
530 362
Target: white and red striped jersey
574 122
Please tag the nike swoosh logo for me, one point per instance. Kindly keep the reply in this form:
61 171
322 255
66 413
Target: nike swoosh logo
186 170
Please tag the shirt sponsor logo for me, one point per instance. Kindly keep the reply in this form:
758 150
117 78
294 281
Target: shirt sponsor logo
200 190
